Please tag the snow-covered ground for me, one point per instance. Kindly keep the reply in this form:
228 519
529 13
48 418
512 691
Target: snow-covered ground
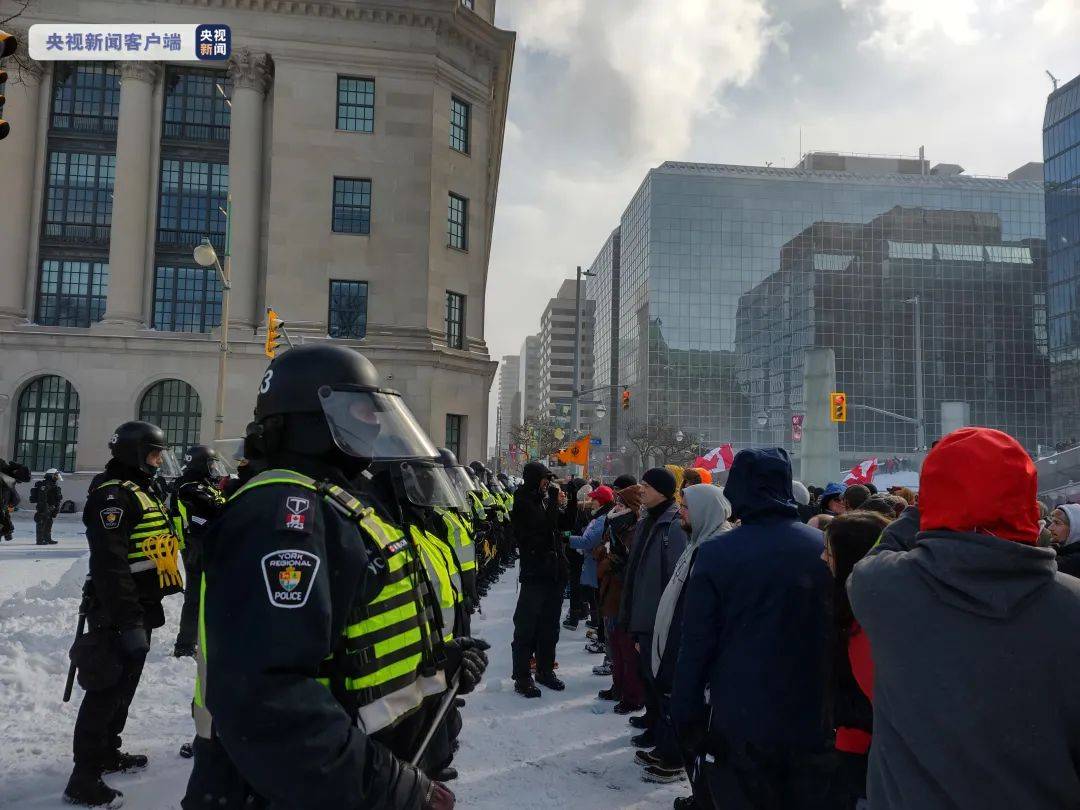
565 750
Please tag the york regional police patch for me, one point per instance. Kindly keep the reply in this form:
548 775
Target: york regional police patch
111 517
289 575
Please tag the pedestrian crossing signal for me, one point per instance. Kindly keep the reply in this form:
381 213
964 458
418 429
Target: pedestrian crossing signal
626 399
274 328
838 407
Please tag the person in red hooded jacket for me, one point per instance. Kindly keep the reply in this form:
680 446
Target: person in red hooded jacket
972 669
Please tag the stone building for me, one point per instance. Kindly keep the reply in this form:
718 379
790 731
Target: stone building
360 144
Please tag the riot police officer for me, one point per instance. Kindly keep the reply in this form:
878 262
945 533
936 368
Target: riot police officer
46 497
197 499
457 528
133 564
324 657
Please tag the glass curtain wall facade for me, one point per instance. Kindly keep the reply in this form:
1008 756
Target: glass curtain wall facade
712 333
602 288
1061 151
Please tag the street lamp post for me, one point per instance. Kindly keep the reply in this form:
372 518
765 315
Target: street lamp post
206 256
575 395
920 424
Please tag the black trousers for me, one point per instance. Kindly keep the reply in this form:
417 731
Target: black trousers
215 784
771 779
578 606
103 714
536 626
43 530
188 634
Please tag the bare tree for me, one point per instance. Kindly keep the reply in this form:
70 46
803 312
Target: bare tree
10 10
537 433
660 441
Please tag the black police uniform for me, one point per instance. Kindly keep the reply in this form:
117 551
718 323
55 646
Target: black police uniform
196 501
47 506
293 739
121 604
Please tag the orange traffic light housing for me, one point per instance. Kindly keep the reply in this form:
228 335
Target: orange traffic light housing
273 333
838 407
626 399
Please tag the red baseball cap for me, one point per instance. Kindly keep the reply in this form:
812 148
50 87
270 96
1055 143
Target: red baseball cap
602 495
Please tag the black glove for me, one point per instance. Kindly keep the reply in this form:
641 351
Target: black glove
465 657
134 643
553 493
439 797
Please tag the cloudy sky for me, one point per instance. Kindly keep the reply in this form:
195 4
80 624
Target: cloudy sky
603 90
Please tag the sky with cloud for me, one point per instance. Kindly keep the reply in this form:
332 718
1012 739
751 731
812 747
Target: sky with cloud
604 90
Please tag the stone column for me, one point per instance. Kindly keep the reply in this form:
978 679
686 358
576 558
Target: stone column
131 209
251 75
18 156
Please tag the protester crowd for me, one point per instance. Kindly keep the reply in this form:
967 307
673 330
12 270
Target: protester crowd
777 647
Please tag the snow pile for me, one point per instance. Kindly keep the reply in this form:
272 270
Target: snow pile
565 750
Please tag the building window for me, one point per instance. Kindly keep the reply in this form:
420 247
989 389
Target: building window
459 124
355 104
78 203
352 205
457 223
455 424
455 320
186 299
71 292
174 407
348 309
47 424
193 198
86 97
196 105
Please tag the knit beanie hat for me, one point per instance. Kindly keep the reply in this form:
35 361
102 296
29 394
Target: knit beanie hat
631 496
980 480
622 482
661 480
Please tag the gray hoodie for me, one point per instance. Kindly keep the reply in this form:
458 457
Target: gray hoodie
976 647
709 512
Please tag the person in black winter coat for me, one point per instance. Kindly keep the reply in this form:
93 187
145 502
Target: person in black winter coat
757 637
535 520
47 498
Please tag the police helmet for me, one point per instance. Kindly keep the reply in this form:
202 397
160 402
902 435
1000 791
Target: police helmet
457 473
323 399
132 442
54 474
201 461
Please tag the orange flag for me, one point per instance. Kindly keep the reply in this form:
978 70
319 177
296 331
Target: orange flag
577 453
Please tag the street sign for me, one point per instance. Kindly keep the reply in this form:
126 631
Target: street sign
596 441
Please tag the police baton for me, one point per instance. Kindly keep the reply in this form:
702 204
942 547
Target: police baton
444 707
83 607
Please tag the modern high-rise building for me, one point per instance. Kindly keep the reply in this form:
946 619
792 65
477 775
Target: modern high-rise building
556 375
1061 153
699 241
360 144
529 377
602 288
507 417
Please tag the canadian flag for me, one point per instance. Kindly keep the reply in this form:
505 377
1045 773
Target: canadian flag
862 473
718 458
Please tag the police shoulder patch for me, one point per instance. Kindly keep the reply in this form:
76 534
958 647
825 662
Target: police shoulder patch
289 575
111 517
296 514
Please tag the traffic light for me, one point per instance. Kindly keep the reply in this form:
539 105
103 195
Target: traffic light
838 407
274 329
8 45
626 399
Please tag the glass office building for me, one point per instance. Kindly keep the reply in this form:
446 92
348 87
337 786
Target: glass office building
729 273
1061 151
602 287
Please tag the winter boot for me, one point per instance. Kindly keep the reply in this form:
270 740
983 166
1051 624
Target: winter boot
604 669
183 650
85 789
641 721
570 624
549 680
447 774
527 688
645 739
608 694
685 803
187 750
647 758
622 707
125 763
595 648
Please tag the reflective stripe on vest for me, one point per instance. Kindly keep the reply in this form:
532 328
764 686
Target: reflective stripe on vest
152 544
441 568
386 644
458 535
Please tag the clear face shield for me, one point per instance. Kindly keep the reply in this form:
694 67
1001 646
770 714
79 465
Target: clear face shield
426 484
373 424
170 467
461 479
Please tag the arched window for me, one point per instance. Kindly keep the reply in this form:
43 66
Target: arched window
173 406
47 424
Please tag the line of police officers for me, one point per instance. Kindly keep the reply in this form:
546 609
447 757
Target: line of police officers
328 600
